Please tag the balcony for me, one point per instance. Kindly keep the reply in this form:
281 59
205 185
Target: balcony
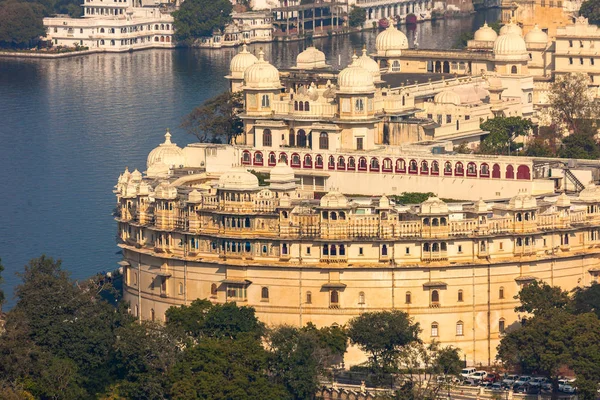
435 256
333 259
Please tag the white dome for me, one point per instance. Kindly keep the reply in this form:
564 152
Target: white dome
334 199
161 159
136 176
311 58
511 27
165 191
195 197
447 97
238 179
434 205
536 35
355 79
522 201
282 173
591 193
510 47
241 62
261 75
391 42
485 34
369 64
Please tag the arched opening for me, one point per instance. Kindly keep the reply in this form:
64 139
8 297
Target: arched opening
510 172
308 298
435 296
434 329
323 141
264 293
446 67
301 138
361 298
334 297
460 295
408 298
459 328
513 69
292 138
267 138
523 172
501 292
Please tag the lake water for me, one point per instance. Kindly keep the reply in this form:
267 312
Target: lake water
69 127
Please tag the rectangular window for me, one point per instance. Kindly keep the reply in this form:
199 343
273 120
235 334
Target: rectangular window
407 251
308 251
467 117
430 116
359 143
434 330
236 292
360 251
459 329
500 246
459 248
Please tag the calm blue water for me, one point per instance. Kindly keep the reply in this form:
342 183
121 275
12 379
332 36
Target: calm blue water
69 127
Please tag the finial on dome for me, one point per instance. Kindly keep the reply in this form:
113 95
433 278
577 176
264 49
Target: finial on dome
261 55
244 48
168 137
364 51
354 56
485 25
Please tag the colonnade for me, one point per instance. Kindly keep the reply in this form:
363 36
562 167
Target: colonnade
377 9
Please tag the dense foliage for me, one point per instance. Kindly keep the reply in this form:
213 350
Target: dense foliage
199 18
590 9
502 134
357 16
20 24
560 330
216 120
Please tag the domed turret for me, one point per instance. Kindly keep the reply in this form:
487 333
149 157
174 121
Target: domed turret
485 34
536 35
241 62
136 176
391 42
434 205
261 75
369 64
511 27
195 197
311 58
510 47
282 177
238 179
164 191
165 156
355 79
522 201
447 97
334 199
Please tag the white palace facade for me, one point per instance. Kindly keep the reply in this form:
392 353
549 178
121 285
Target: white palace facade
323 239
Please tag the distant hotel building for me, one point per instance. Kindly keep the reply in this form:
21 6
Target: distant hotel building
113 26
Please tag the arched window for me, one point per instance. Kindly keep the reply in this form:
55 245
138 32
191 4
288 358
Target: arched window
459 169
258 158
374 164
180 288
510 172
331 162
267 138
384 250
295 160
412 167
292 138
447 168
387 165
435 168
484 170
334 297
408 298
306 106
362 163
424 167
523 172
395 66
264 293
434 329
460 295
213 289
323 141
501 292
471 169
400 165
459 328
351 163
496 171
530 98
300 106
307 161
361 298
513 69
359 105
319 161
283 158
301 138
265 103
341 162
295 106
435 296
272 159
308 298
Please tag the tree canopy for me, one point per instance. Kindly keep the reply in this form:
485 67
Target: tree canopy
216 120
502 133
357 16
571 101
590 9
20 24
199 18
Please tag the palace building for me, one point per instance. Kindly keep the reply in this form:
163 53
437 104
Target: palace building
322 239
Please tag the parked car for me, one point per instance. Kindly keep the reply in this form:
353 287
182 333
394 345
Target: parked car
566 385
491 377
522 381
510 380
497 387
537 381
486 385
466 372
470 382
478 375
526 388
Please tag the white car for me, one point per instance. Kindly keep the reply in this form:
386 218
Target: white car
478 375
510 380
466 372
567 388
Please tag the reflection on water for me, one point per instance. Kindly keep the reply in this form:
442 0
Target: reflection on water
70 126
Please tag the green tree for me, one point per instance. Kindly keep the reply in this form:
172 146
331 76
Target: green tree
584 353
587 299
20 24
220 369
571 101
412 197
199 18
580 145
538 297
357 16
382 335
590 9
217 120
502 133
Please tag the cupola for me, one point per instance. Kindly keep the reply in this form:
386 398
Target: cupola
391 42
241 62
261 75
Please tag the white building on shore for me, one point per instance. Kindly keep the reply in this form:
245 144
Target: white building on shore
113 26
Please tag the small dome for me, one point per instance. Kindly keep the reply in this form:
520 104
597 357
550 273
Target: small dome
511 27
510 47
241 62
194 197
536 35
563 200
480 207
311 58
522 201
369 64
334 199
238 179
434 205
261 75
355 79
165 191
167 154
384 202
391 42
282 173
447 97
136 176
485 34
591 194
